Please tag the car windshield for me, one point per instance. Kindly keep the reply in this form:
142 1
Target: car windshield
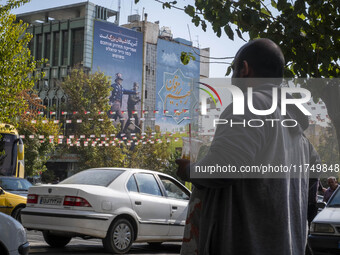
335 200
99 177
14 184
8 152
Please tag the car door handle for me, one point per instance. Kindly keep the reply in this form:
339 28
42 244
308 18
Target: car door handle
138 203
174 208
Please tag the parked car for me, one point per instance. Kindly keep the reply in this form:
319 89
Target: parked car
325 229
118 205
13 240
13 195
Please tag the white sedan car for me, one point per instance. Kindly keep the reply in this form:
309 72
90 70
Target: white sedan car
118 205
13 239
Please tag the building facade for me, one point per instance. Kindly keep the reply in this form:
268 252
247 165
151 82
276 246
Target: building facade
66 36
63 36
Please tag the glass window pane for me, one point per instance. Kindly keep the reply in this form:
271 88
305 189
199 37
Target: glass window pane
99 177
131 184
174 190
335 201
56 49
147 184
65 45
77 46
48 47
8 154
39 47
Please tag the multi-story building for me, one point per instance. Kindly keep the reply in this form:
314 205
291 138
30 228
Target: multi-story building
65 36
89 36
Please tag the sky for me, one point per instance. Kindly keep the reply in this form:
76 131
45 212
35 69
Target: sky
179 23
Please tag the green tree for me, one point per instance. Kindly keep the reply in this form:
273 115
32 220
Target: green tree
16 83
308 33
172 167
39 148
88 98
16 63
153 155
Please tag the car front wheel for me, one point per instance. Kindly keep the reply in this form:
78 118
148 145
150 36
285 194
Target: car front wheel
119 238
56 241
17 213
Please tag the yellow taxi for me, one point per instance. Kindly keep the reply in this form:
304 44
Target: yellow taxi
13 195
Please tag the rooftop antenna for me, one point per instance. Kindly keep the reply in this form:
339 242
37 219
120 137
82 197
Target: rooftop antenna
131 7
189 32
119 7
198 41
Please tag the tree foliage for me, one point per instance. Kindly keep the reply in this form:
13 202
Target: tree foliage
88 95
16 63
307 31
39 148
153 156
16 90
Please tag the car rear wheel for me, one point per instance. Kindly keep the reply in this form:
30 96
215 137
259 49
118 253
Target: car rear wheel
119 238
56 241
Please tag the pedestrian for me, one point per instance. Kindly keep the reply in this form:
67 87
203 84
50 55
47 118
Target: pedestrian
116 99
260 216
333 185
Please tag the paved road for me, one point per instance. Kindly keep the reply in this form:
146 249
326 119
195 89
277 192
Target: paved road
79 246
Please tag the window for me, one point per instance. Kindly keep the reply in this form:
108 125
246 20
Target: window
147 184
132 185
39 47
77 46
8 154
173 189
335 201
15 184
64 50
56 39
99 177
47 53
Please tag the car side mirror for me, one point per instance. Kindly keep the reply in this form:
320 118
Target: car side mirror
2 191
320 205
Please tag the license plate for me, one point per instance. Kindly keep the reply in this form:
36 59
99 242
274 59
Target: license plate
51 200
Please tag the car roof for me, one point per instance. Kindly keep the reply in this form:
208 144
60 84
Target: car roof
11 177
135 170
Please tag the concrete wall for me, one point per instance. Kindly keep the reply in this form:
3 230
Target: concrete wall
204 66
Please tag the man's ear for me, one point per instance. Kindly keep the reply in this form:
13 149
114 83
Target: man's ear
245 69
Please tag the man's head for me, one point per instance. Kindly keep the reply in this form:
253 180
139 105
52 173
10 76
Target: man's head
332 182
135 86
260 58
119 78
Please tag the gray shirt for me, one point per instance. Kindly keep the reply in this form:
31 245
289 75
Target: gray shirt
262 216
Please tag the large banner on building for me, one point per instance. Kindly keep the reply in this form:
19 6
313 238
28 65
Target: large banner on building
118 52
177 86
